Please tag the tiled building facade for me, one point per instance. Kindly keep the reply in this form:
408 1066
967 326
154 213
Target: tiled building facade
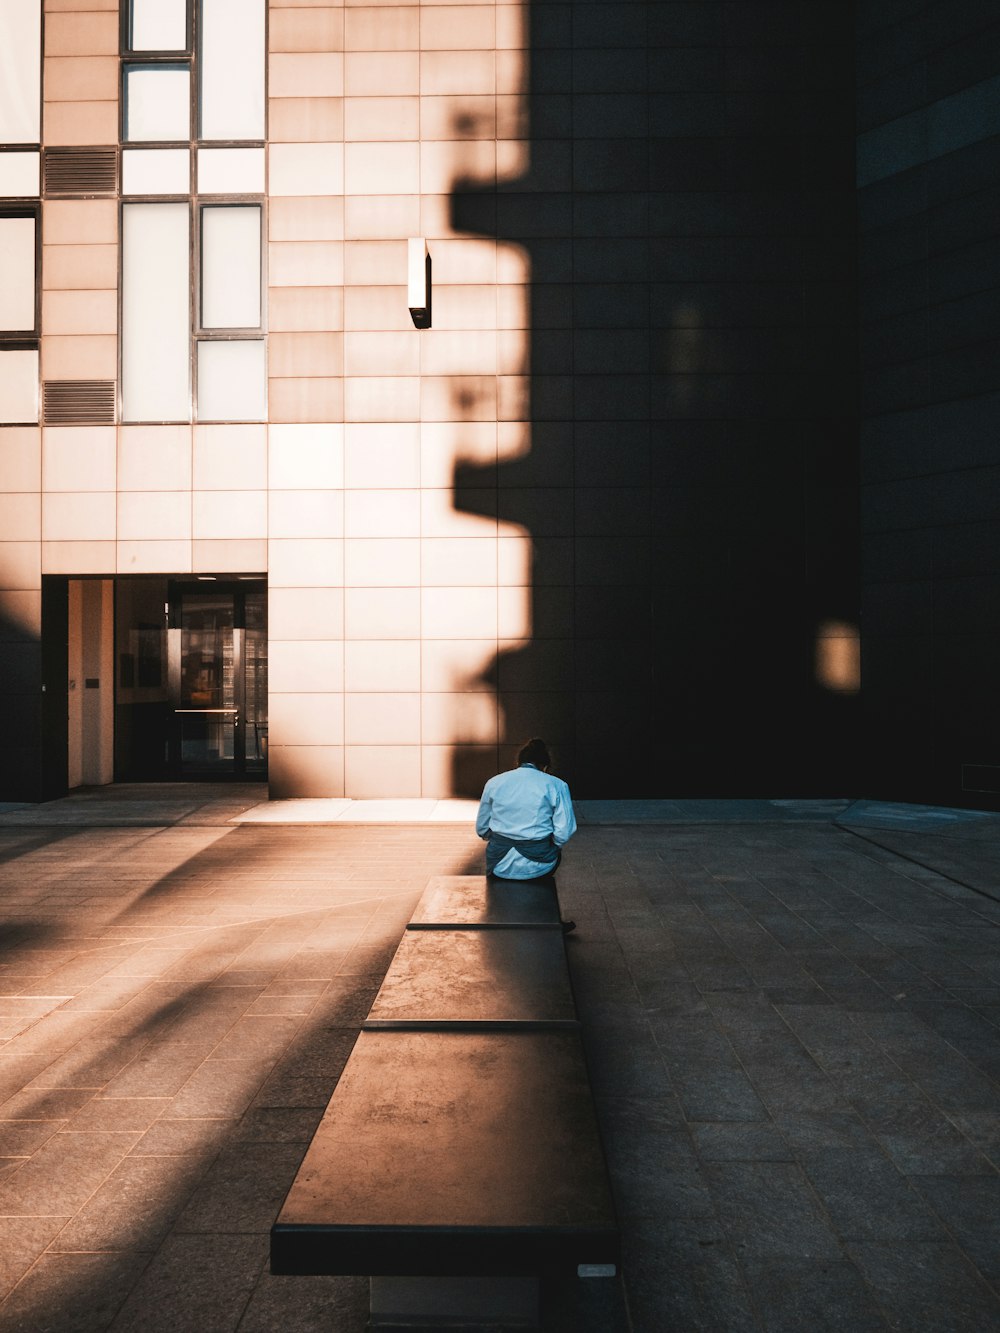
267 506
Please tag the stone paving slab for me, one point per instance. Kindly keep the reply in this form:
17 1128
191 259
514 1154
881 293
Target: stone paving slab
792 1031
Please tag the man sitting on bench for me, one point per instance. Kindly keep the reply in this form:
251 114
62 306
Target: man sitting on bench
526 818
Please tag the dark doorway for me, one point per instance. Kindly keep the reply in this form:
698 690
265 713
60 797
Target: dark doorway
191 698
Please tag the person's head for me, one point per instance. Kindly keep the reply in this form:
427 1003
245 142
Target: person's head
535 752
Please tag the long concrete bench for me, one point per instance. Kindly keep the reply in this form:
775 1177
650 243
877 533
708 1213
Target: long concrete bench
459 1158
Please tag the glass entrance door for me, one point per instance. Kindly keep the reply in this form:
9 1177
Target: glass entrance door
217 679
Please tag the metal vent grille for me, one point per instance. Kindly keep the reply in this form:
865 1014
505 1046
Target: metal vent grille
81 171
79 402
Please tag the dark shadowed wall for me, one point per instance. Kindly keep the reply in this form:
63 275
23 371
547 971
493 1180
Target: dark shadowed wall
692 487
928 167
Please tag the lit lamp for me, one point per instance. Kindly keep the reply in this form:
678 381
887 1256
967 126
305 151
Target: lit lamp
418 281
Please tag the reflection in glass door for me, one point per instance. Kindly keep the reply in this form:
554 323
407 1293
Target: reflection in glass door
217 678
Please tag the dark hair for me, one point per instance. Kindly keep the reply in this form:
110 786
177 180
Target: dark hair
534 752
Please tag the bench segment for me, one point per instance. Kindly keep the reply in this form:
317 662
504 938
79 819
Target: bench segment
453 1152
475 902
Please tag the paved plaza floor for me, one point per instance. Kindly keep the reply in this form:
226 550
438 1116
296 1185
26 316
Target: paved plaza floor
791 1012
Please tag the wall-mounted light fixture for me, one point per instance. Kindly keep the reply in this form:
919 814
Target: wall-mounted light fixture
418 281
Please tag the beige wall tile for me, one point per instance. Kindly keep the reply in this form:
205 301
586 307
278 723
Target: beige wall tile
382 28
464 261
469 397
78 458
302 457
375 73
512 27
375 264
513 352
312 513
452 73
305 263
305 563
305 613
305 665
512 73
381 118
294 309
20 564
447 561
444 443
382 613
443 162
381 168
154 515
440 518
382 563
515 560
305 168
233 556
68 124
381 217
81 79
21 613
470 352
79 557
382 665
230 458
80 312
154 458
79 267
309 219
374 399
153 557
447 768
377 454
302 400
305 119
514 613
19 386
314 74
450 665
305 354
21 458
447 718
382 353
81 33
371 771
382 513
462 117
228 514
79 517
80 357
513 264
465 308
316 28
382 308
458 613
436 217
457 28
21 517
306 719
305 770
382 719
514 397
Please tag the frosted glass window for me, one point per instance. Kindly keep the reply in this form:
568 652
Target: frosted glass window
18 387
158 25
230 267
20 71
231 380
18 175
17 274
232 69
156 171
157 102
155 312
230 171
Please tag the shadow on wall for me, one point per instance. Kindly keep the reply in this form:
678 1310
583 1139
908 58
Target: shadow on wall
689 483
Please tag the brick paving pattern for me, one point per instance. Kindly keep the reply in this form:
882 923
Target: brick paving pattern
792 1033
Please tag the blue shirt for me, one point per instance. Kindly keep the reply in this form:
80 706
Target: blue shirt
525 803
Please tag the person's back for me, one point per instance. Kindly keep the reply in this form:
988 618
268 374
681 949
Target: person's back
526 816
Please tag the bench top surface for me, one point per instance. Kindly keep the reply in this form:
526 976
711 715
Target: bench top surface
456 1130
478 976
475 900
